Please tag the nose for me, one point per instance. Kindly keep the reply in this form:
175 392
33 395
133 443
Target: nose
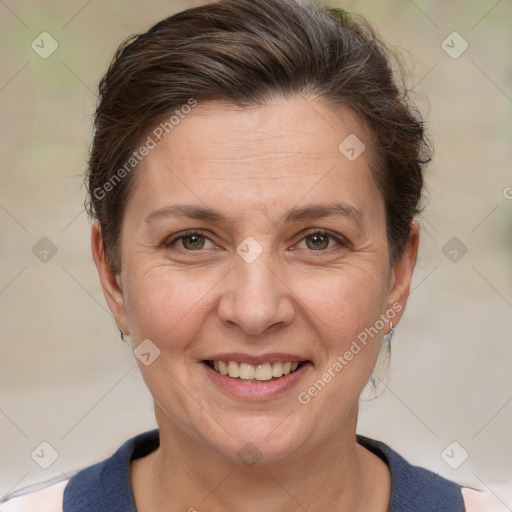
256 297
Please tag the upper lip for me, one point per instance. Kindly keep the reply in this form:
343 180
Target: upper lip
271 357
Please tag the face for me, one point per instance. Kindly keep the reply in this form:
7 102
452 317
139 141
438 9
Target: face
250 237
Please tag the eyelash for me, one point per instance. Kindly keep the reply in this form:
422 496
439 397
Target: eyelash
339 240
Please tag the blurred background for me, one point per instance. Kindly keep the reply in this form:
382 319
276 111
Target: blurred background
70 391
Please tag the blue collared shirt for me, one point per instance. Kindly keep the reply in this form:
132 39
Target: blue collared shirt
106 486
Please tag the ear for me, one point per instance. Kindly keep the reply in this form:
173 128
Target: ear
110 281
401 273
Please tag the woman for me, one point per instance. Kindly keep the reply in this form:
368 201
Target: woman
253 180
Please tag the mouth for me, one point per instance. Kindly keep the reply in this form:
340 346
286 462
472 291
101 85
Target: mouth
255 378
254 373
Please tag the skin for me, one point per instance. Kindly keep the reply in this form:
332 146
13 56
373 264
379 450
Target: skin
253 165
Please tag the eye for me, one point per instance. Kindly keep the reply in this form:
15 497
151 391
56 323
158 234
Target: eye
319 240
190 240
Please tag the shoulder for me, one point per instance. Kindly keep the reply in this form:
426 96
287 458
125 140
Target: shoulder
416 488
413 487
48 499
482 501
106 486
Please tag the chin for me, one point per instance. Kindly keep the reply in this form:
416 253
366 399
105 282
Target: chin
259 440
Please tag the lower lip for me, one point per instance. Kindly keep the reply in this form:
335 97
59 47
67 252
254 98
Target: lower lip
263 390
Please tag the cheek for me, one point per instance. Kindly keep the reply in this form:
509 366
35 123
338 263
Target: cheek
166 307
170 306
163 305
343 303
346 311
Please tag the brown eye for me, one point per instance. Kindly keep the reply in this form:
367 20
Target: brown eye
319 241
191 241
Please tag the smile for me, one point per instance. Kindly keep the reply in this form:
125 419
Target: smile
264 378
254 372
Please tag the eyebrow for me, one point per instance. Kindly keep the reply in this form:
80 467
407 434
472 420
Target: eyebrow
309 212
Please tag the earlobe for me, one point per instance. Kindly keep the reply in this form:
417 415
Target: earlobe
111 282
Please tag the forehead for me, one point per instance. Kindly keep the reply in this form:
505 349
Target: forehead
279 131
260 158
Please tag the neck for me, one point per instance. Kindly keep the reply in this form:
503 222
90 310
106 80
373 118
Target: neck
186 474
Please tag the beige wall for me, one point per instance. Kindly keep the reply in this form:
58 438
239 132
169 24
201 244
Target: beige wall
66 378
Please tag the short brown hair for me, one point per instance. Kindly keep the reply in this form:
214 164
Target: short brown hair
243 52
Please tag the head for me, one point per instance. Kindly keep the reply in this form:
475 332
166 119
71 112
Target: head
254 178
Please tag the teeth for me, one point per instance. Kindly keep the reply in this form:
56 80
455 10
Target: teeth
277 369
223 368
263 372
233 369
246 371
